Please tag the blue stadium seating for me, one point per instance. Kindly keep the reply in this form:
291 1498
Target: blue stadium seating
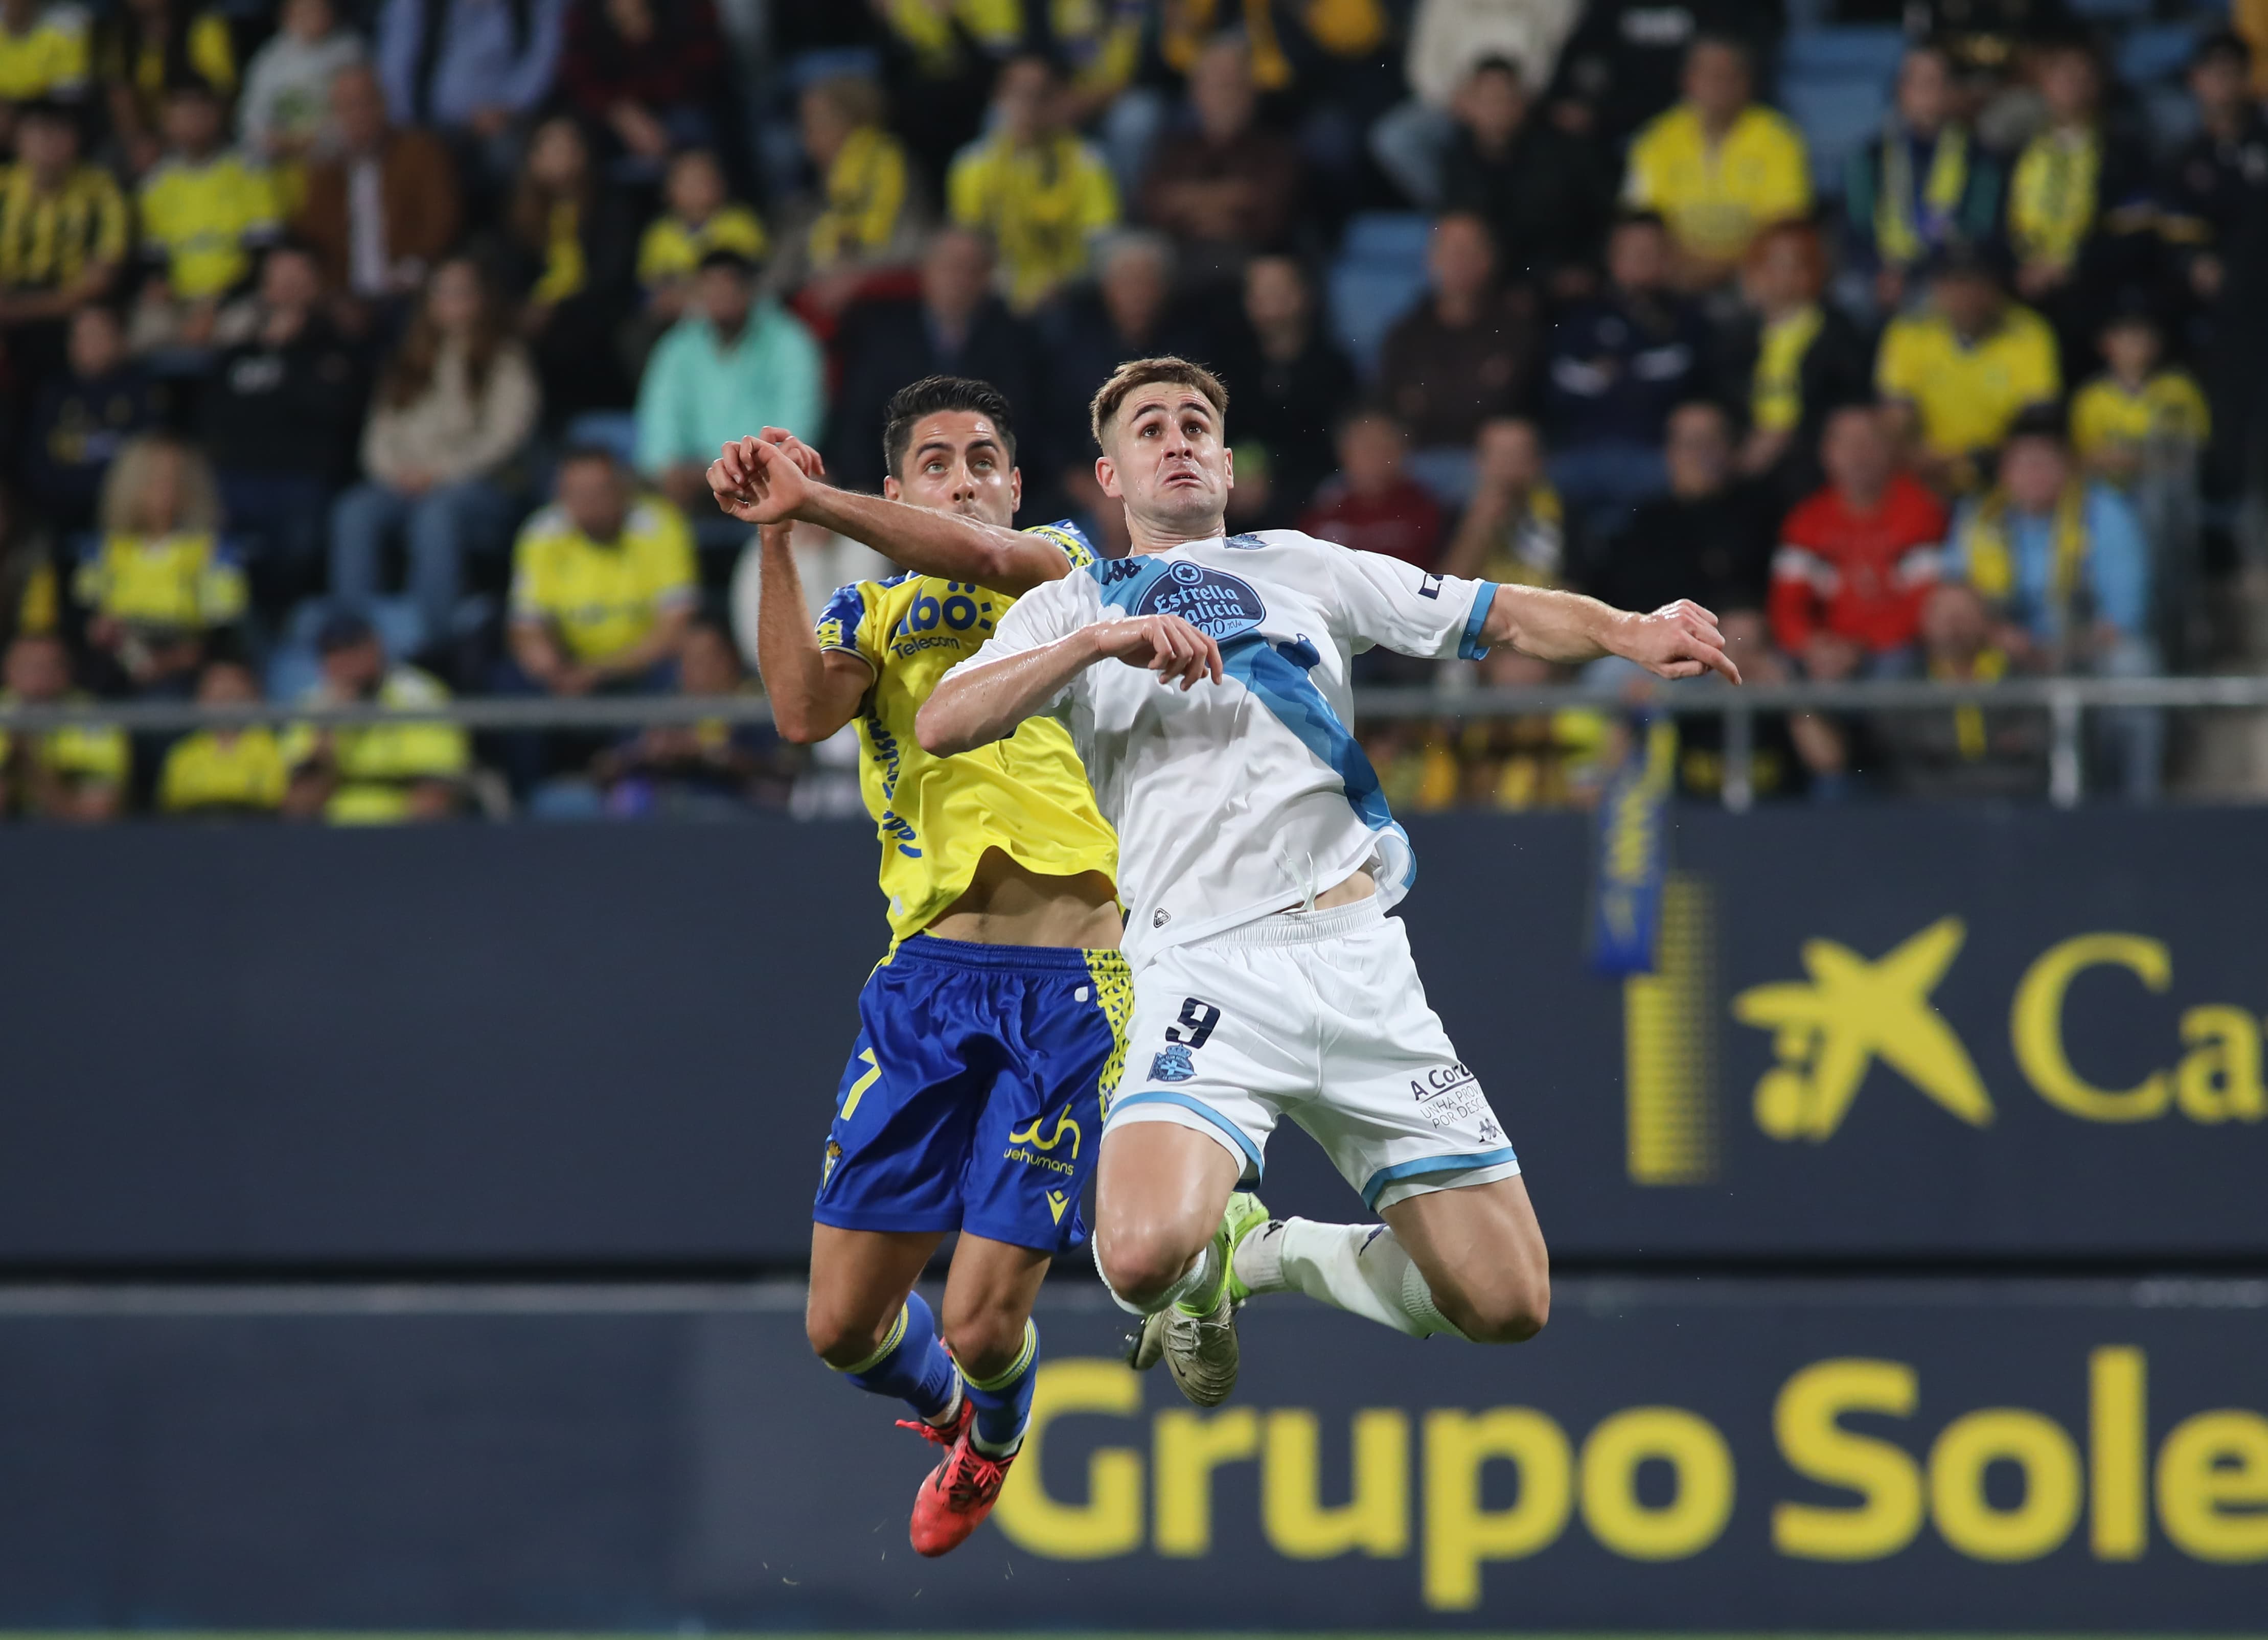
1813 54
1381 271
608 429
2112 10
2155 51
1835 84
294 667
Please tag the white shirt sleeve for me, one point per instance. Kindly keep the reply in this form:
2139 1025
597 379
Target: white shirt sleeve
1387 602
1050 610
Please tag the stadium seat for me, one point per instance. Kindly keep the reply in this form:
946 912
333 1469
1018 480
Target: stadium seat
2156 51
1363 305
1380 272
1391 237
1837 116
1813 54
609 430
294 667
2111 10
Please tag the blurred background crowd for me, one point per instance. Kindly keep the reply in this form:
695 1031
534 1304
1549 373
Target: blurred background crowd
374 353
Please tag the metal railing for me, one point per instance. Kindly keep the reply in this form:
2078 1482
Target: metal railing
2066 700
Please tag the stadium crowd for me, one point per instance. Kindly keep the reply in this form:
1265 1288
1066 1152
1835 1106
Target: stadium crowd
374 354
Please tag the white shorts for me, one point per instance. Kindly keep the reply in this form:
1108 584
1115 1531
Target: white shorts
1318 1016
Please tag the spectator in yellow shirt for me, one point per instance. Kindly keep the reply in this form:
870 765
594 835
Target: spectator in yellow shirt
603 583
384 774
204 212
1958 375
862 218
1040 193
159 581
63 231
1718 167
75 774
2135 409
702 218
43 55
219 772
150 47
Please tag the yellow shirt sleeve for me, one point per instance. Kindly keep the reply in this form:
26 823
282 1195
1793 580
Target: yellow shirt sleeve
964 188
110 238
1896 369
2034 373
533 597
847 625
676 574
2094 419
658 255
2187 413
212 53
737 228
1098 205
1643 183
1787 175
221 596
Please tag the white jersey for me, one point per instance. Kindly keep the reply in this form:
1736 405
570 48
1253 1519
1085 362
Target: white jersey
1235 800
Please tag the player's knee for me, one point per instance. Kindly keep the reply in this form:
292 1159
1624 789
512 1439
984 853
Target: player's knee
985 1342
1510 1308
1140 1261
839 1337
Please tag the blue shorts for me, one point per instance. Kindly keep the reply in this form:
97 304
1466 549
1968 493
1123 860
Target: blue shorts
974 1100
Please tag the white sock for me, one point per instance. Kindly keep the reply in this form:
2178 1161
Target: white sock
1202 1274
1360 1268
945 1420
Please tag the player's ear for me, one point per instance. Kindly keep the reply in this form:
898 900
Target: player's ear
1015 490
892 490
1106 474
1228 465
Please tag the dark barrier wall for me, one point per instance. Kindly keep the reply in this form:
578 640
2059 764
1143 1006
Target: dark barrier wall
1712 1455
1888 1032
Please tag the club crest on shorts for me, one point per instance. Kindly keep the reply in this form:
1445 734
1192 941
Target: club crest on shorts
1217 604
1172 1065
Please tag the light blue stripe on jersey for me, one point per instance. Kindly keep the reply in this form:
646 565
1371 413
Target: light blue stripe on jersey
1376 1184
1470 647
1284 687
1159 1096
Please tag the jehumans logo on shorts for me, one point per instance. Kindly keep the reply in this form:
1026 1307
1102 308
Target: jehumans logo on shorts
1217 604
1172 1065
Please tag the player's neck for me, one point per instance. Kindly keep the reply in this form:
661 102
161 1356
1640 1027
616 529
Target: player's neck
1149 537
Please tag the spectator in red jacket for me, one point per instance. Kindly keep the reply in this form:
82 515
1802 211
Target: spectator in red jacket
1859 558
1371 504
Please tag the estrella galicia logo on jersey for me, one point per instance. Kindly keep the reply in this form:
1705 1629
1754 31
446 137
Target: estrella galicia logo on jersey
1172 1065
1216 604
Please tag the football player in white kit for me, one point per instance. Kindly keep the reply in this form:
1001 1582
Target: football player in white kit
1259 862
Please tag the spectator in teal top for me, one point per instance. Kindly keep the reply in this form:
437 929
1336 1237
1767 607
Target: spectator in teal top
730 365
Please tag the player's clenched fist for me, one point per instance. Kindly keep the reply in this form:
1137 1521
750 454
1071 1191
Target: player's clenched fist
1165 645
761 479
1679 639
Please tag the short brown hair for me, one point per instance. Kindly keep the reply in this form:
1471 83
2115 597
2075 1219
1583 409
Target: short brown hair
1147 373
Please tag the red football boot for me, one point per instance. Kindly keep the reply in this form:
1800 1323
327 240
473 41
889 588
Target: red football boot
960 1492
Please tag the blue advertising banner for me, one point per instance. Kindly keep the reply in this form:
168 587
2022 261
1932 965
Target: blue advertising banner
1717 1455
1870 1033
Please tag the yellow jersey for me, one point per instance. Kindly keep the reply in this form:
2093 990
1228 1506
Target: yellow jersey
1716 199
866 192
47 241
241 774
82 756
203 214
673 248
378 766
1966 393
603 597
1041 205
185 582
2168 407
1027 796
48 59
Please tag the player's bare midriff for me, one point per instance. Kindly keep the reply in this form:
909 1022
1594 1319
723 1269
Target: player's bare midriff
1008 904
1359 886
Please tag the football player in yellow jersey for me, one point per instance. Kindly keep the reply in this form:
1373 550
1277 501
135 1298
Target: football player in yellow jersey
992 1034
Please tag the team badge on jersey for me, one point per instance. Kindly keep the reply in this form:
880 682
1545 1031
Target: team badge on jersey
1217 604
1173 1064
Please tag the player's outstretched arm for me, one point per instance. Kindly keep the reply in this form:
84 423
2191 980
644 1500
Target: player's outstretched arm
813 693
761 480
980 702
1679 639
